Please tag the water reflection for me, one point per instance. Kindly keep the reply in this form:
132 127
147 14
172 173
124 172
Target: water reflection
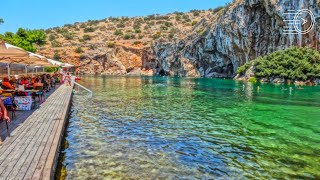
173 128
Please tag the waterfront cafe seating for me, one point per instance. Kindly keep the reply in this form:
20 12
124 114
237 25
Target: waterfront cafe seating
39 94
8 102
21 99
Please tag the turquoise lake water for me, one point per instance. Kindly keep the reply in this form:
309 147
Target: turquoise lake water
184 128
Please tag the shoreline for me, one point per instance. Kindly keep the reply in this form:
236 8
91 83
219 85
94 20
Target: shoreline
235 78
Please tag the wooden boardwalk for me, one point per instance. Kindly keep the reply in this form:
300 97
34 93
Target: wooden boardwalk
31 151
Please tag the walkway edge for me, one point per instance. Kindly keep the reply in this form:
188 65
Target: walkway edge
52 161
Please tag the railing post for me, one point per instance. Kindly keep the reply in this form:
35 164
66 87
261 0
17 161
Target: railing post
8 66
79 85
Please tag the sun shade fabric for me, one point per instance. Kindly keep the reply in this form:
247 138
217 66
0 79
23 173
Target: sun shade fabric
57 63
13 54
7 50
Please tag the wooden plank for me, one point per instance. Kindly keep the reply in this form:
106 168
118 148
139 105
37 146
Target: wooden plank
21 156
32 151
53 154
19 146
25 129
39 142
20 149
15 135
43 149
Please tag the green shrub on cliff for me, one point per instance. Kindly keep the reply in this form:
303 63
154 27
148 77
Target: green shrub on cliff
86 37
156 35
88 29
68 35
111 44
56 55
194 23
26 39
127 36
291 64
118 32
242 69
78 50
137 31
217 9
253 80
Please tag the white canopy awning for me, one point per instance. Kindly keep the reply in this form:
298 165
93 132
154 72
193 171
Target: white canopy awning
58 63
12 46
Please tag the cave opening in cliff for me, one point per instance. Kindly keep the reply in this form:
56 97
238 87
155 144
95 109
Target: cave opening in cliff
230 70
163 73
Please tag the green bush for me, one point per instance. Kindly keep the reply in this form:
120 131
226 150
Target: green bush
195 12
86 37
89 29
127 36
137 31
118 32
156 35
194 23
51 69
243 69
82 26
52 37
253 80
291 64
145 43
178 17
56 56
68 35
217 9
93 22
26 39
56 44
137 42
185 16
168 24
78 50
111 44
171 35
121 25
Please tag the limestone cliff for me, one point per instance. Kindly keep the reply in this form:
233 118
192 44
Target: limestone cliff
215 45
247 29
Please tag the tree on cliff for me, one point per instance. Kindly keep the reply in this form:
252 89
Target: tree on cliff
26 39
291 64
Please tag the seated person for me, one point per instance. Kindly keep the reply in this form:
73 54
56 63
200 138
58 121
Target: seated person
24 81
4 112
33 80
37 83
7 84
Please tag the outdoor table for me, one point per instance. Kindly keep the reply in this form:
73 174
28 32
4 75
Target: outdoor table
32 91
9 90
14 90
3 98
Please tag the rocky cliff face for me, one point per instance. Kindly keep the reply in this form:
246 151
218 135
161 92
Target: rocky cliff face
247 29
215 46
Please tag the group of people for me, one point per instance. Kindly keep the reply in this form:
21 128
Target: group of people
46 82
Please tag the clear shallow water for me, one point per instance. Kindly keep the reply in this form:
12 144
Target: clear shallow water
173 128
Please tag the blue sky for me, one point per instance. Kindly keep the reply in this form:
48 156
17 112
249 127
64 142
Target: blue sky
35 14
